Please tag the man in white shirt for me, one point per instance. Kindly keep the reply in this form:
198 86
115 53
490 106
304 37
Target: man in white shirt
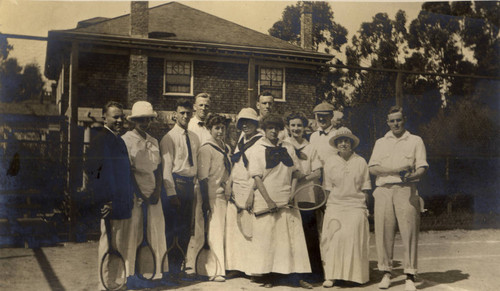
179 150
265 104
398 161
197 123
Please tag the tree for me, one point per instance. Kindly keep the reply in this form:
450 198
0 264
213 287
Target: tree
5 48
18 84
435 35
10 80
327 34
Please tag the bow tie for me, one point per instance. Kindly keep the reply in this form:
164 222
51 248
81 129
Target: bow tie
300 154
201 123
275 155
322 133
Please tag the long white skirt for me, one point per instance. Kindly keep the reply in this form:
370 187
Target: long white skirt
278 244
216 228
237 245
345 244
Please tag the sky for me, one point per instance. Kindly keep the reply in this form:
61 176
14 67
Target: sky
39 17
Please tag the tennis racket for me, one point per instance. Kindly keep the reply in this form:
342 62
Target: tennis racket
145 261
243 219
207 263
112 269
307 197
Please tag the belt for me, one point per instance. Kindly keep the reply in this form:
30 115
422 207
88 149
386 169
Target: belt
183 178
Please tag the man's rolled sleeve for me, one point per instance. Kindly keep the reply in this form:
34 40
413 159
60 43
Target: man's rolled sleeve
167 150
420 154
376 158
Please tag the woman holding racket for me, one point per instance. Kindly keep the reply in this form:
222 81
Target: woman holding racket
238 235
278 243
214 169
144 155
311 170
345 234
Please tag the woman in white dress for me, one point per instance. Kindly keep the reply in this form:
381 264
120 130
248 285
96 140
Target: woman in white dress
214 169
311 170
278 243
238 242
144 155
345 234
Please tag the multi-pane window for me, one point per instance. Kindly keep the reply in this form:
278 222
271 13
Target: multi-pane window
178 77
272 80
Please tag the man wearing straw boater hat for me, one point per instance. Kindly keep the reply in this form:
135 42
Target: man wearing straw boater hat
179 149
398 161
108 169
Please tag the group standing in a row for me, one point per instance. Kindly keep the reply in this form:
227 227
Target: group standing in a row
206 182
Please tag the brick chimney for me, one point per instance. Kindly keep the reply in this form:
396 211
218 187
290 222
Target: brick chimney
306 26
138 65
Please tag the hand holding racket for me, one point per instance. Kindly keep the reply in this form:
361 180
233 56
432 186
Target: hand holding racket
307 197
112 268
145 261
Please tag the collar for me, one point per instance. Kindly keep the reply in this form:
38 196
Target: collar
196 120
327 130
114 133
244 138
212 141
295 144
177 129
405 135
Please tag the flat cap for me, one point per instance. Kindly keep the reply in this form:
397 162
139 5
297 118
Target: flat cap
323 107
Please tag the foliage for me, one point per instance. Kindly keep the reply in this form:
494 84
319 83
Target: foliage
5 48
18 84
327 34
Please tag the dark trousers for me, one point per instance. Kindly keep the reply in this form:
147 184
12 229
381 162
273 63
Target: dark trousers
180 221
310 225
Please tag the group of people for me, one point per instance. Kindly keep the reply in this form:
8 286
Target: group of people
208 183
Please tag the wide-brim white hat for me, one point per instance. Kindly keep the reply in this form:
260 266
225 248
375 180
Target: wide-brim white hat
344 132
142 109
246 113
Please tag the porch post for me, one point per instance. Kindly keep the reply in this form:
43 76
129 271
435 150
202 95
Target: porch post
252 100
73 138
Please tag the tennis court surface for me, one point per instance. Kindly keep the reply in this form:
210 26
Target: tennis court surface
448 260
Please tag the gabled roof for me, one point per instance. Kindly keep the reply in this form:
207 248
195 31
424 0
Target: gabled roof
183 23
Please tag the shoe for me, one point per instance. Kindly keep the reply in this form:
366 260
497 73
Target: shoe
219 279
385 282
328 283
305 284
410 285
268 285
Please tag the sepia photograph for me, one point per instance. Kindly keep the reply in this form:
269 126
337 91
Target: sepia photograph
243 145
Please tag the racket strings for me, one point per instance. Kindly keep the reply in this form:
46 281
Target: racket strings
113 273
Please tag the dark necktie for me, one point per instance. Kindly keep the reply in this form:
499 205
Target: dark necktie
322 133
201 123
242 148
276 155
190 153
224 153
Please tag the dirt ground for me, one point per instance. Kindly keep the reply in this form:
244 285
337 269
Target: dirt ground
448 260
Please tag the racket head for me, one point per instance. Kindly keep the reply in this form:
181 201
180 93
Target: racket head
145 262
176 256
245 223
112 271
207 263
309 197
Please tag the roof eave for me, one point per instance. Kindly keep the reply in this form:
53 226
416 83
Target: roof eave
147 42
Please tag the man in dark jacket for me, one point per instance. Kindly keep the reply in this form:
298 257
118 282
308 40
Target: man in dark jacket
110 179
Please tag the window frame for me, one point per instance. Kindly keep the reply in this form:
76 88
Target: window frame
281 98
191 83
